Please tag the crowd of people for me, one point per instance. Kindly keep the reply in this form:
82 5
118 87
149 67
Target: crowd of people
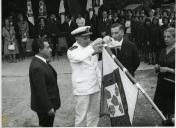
144 28
130 31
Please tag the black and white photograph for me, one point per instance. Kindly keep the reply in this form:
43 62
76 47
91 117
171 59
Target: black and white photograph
88 63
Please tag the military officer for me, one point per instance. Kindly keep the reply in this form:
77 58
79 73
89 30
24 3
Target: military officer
86 77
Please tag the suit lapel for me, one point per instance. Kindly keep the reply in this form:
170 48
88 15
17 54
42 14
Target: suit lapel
49 67
124 44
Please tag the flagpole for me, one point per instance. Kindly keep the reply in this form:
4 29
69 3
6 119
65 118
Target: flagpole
135 82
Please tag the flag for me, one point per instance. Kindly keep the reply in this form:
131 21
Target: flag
62 11
61 7
42 9
101 2
30 12
89 4
118 94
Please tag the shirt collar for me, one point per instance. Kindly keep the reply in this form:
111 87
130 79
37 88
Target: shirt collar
69 22
120 42
41 58
116 43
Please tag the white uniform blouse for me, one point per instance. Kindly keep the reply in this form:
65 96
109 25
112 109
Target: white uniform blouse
86 75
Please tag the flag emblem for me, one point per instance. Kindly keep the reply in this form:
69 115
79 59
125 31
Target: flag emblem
114 100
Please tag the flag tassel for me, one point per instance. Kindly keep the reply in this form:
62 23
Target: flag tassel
135 83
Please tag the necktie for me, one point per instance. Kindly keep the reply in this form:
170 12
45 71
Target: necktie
47 62
118 52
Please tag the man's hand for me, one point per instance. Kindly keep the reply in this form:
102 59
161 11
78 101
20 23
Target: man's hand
97 45
163 69
107 40
157 68
51 112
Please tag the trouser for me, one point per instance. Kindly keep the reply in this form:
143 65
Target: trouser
87 109
23 44
45 120
54 42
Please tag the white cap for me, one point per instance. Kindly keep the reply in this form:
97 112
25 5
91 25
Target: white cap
82 31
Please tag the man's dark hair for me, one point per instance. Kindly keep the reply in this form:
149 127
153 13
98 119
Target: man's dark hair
121 26
40 43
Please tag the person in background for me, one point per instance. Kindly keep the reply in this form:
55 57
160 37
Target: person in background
104 25
165 13
45 97
155 31
128 25
8 32
86 77
160 19
42 29
53 30
172 19
141 36
24 35
80 21
147 41
69 25
110 16
92 20
115 18
151 14
165 91
42 33
162 29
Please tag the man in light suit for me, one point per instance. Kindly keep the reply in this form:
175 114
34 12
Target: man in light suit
45 98
86 77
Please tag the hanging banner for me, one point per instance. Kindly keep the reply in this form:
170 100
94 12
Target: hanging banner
61 7
101 2
30 12
42 9
89 4
62 11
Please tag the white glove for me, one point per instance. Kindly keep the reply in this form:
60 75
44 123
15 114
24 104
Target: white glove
109 41
97 41
97 45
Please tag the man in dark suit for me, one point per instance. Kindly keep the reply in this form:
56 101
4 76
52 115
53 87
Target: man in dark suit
69 26
125 51
104 25
53 31
92 20
45 98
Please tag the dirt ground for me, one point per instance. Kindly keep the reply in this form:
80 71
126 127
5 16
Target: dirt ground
16 110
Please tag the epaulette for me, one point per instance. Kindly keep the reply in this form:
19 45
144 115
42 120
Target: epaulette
73 47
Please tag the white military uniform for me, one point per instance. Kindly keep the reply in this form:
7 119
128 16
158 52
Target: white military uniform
86 79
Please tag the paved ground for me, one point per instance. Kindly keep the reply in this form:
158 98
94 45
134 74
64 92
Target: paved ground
16 96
